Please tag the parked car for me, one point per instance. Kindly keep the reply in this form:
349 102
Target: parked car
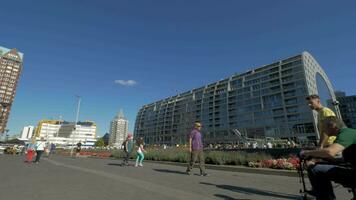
12 150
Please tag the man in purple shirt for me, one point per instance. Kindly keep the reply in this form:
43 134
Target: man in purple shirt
196 149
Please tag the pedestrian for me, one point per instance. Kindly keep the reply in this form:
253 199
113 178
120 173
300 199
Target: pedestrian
52 149
196 149
140 151
30 148
78 149
128 147
40 147
323 112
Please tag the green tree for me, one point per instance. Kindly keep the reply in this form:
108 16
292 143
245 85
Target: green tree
100 143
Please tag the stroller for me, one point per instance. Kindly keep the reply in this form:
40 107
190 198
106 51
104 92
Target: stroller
348 160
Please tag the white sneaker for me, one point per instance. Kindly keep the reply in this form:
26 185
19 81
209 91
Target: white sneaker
136 165
140 165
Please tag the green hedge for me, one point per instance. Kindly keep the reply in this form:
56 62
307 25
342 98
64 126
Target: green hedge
211 157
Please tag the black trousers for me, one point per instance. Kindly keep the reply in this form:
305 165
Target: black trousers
38 156
126 158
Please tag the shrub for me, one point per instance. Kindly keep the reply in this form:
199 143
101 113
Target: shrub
257 159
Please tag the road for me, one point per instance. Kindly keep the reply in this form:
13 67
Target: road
63 178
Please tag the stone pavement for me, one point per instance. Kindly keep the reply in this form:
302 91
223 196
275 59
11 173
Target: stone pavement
63 178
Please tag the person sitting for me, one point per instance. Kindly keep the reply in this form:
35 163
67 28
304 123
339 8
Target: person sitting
321 174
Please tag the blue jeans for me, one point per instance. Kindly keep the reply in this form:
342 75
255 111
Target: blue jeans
139 159
321 175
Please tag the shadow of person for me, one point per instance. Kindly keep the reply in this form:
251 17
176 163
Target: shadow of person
246 190
225 197
169 171
115 164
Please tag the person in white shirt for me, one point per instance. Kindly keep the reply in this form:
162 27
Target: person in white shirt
40 147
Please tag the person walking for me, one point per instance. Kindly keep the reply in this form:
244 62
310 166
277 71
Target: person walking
140 155
31 146
40 147
52 149
323 112
196 149
78 149
128 147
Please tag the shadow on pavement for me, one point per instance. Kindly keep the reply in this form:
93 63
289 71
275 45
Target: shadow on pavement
225 197
115 164
253 191
122 165
169 171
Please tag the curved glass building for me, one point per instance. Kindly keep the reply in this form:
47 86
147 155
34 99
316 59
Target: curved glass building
268 101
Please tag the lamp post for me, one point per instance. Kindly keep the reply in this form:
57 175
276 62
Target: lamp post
76 122
7 135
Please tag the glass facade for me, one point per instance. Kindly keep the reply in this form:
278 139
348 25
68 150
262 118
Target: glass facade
323 91
264 102
348 110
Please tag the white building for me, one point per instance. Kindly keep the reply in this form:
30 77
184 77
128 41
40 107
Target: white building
64 133
48 128
84 132
27 132
118 130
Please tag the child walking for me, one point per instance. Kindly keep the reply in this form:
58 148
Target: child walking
140 155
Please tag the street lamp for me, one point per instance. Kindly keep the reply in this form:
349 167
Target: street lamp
76 122
6 135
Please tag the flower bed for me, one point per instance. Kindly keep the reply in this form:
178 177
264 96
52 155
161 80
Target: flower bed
101 154
291 163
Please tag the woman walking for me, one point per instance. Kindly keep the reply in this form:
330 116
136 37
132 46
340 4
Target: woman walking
40 147
140 155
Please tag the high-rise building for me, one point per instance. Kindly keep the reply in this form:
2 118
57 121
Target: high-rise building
118 130
347 108
268 101
27 132
340 94
10 69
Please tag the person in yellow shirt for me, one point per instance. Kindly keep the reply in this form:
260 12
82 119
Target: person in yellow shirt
323 112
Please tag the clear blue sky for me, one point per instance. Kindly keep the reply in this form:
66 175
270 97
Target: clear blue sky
82 47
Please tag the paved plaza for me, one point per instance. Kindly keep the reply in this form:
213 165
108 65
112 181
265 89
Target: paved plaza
63 178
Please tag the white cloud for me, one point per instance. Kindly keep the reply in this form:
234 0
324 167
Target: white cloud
126 82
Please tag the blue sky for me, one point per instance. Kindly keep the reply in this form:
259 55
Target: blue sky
85 47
